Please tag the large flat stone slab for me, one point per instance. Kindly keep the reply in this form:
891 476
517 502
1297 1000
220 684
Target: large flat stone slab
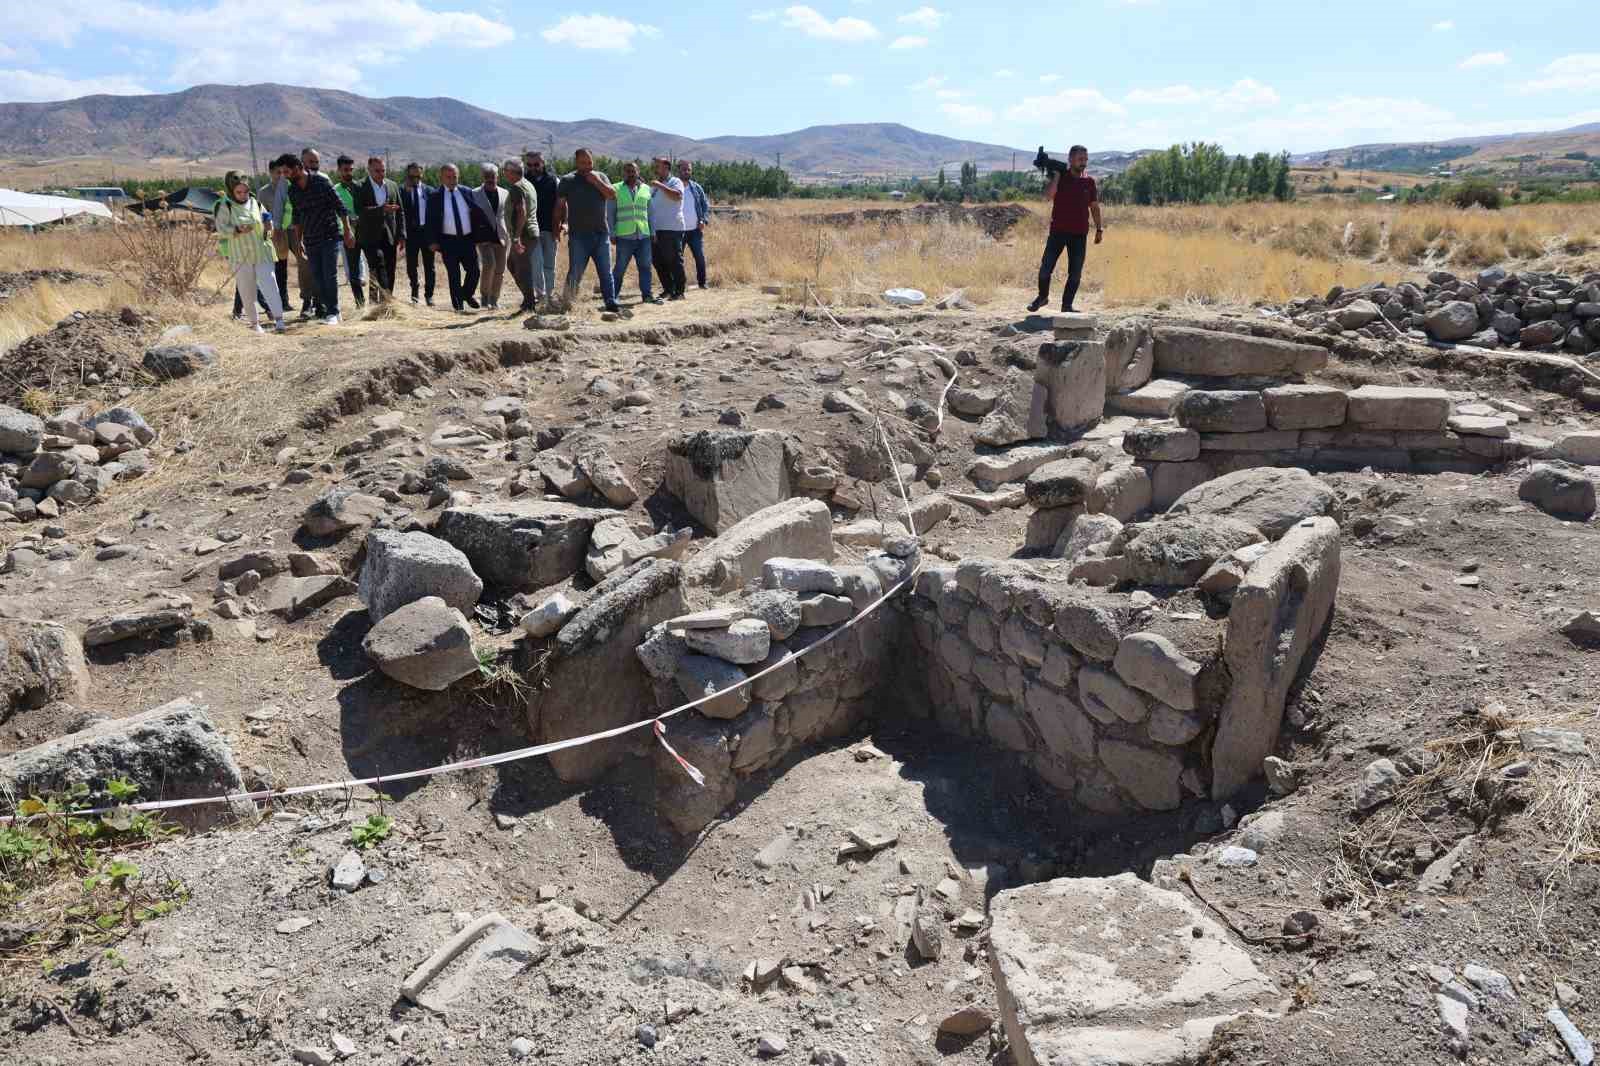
1279 610
521 545
1208 353
1102 971
798 528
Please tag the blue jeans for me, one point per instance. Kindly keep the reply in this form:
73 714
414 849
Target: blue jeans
695 241
630 249
324 260
355 270
582 247
544 264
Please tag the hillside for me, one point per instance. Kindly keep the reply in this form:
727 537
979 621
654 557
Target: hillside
1501 152
209 126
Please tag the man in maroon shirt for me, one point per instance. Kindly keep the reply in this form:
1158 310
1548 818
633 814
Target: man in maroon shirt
1074 198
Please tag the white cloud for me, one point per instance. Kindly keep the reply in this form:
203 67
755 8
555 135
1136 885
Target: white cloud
599 33
1483 59
969 114
29 85
1444 26
928 84
926 17
909 41
1575 73
1242 95
1046 79
846 28
841 81
1005 72
1066 102
331 45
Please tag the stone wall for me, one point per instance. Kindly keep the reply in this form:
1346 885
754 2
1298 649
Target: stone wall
1115 700
1320 427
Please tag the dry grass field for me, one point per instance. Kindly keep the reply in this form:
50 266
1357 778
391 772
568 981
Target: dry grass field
1230 255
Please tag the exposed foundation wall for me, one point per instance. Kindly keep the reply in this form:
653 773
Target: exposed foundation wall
1031 665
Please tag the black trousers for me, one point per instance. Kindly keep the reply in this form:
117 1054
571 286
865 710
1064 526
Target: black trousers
459 252
381 265
1077 249
666 252
412 251
280 270
238 304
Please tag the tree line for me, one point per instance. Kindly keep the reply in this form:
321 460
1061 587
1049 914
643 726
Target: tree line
1200 173
720 179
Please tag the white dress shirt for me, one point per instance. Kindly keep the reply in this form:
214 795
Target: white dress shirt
380 193
458 211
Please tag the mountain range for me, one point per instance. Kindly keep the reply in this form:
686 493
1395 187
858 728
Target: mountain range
211 126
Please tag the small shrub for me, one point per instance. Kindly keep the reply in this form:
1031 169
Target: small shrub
372 832
1476 192
167 255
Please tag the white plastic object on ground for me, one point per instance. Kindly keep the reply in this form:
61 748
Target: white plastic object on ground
905 297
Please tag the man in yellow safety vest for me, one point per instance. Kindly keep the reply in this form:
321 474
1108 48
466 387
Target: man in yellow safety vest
629 216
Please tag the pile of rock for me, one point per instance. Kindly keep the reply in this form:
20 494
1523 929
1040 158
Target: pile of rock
1494 309
47 464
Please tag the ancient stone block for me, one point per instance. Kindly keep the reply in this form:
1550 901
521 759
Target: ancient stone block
1207 353
1163 442
1151 663
795 527
401 568
1277 614
1123 492
1168 481
1270 499
1398 407
1015 463
1149 995
1304 406
1062 482
424 643
520 545
1223 411
1155 399
724 476
1073 374
1107 698
1148 775
40 662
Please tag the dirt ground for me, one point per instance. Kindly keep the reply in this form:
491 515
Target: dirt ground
1412 659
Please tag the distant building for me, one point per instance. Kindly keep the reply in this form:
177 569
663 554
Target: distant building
896 194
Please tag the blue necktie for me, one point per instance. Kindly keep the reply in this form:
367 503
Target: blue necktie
455 211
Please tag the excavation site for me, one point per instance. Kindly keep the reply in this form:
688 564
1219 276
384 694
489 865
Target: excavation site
763 680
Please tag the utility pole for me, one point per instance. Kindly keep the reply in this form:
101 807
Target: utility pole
550 147
250 127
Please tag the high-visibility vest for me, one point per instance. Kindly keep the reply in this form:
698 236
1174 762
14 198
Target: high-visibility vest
633 211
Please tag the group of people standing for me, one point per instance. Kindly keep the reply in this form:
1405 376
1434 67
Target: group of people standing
512 224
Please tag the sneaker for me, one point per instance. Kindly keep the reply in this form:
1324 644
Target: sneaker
279 327
1040 302
430 301
331 320
654 300
472 303
257 328
414 298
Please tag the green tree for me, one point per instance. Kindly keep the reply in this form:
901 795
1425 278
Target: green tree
1260 183
1282 189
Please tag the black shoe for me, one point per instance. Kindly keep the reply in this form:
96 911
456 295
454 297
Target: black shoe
701 285
1066 309
614 308
654 300
1040 302
413 298
472 303
430 301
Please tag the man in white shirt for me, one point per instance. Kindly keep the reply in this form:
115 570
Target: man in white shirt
666 226
450 233
696 216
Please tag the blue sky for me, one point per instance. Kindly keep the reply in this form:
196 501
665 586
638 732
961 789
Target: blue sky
1114 74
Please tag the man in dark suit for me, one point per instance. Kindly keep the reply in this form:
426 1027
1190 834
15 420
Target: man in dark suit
456 226
380 225
414 202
